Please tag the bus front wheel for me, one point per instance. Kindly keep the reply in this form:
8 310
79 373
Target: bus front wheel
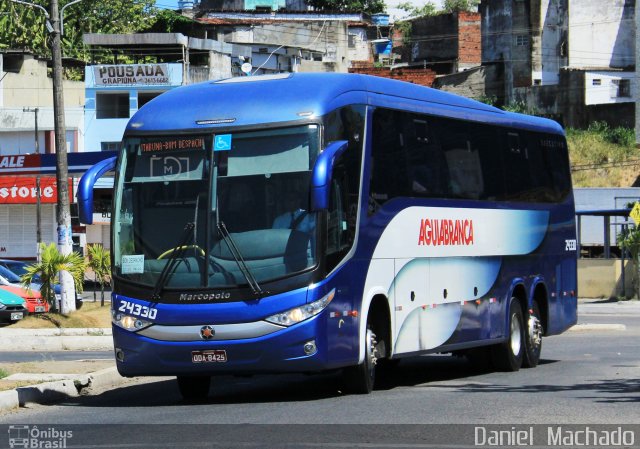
359 379
508 356
194 388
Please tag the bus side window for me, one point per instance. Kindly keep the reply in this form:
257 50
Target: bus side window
518 184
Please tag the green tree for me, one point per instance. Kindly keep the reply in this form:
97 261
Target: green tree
366 6
460 5
23 27
100 263
428 9
52 262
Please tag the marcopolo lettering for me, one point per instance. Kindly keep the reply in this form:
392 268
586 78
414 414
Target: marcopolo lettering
445 232
204 296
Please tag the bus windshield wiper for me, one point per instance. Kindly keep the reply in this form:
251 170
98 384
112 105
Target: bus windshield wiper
235 252
172 262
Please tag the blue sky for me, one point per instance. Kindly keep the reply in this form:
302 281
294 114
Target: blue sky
171 4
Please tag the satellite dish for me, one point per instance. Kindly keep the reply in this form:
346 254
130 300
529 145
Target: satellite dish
246 68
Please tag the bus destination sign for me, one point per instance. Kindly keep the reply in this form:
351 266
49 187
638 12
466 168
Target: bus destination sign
173 144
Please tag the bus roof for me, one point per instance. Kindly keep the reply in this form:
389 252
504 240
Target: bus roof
287 97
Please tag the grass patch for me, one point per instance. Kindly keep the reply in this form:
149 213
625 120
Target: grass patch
3 373
603 156
91 315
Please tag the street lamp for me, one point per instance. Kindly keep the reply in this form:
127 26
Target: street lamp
46 13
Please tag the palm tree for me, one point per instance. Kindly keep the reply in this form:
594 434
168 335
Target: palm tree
51 263
100 263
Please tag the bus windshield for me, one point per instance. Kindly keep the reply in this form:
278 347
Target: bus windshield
174 194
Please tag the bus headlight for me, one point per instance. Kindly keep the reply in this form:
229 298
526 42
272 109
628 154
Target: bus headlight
127 322
293 316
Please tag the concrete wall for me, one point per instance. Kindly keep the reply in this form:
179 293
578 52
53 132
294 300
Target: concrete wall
477 82
453 39
497 39
549 40
32 87
361 49
602 278
579 112
601 87
327 38
602 33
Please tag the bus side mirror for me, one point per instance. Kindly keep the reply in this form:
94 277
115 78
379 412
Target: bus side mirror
322 173
85 188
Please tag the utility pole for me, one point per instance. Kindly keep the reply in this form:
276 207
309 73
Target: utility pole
38 193
63 214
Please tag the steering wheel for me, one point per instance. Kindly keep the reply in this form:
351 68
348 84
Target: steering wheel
178 248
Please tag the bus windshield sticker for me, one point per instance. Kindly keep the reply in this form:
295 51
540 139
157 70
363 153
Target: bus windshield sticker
133 263
222 143
172 144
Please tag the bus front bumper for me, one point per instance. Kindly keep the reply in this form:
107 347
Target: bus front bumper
285 350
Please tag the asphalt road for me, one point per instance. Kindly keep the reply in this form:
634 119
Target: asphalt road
590 377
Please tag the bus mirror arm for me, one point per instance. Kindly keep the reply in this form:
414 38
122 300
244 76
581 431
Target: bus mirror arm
85 188
322 173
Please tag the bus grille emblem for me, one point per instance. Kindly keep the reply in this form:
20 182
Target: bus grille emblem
207 332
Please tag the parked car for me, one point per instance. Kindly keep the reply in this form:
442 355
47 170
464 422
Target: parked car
12 307
10 282
18 268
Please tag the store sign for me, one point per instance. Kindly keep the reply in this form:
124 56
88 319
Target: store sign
131 75
22 190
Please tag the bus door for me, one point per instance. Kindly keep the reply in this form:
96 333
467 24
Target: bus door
410 298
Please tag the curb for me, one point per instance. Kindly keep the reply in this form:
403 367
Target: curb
597 327
49 392
91 339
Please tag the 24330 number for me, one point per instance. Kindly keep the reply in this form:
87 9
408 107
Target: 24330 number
134 309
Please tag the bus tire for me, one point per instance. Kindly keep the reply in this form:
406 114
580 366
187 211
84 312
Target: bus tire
360 379
508 356
533 338
194 388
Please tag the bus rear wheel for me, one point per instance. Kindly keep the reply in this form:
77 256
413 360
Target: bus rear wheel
360 379
533 338
508 356
194 388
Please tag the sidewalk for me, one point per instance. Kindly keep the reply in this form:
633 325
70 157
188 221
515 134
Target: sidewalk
80 376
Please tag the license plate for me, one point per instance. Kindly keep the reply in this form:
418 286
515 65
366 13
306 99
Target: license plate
211 356
39 309
16 316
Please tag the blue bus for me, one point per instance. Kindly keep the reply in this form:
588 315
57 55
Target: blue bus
314 222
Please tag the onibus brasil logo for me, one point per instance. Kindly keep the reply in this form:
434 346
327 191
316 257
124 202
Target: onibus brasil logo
34 437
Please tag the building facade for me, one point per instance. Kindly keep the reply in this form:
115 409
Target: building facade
26 97
573 60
